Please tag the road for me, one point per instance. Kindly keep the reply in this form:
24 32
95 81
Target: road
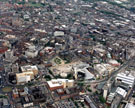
122 67
128 97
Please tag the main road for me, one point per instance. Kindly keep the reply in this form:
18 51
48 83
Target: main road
120 69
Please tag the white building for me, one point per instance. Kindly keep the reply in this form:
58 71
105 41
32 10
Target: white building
105 93
58 33
107 88
110 98
130 105
9 54
60 83
58 46
21 79
31 54
114 62
101 69
121 92
40 30
29 68
104 69
28 73
28 104
82 67
126 79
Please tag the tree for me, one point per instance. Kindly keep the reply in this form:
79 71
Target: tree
47 77
89 90
58 76
101 98
69 76
80 84
96 92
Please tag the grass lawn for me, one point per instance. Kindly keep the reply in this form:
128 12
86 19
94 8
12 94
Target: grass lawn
67 61
35 4
2 0
57 61
20 86
3 96
7 89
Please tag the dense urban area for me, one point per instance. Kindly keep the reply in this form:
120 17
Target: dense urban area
67 54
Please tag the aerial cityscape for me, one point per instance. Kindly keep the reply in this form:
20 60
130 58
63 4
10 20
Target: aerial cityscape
67 53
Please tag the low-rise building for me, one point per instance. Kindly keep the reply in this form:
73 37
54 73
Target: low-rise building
58 33
110 98
130 105
29 68
114 62
116 101
60 83
28 73
121 92
24 77
126 79
82 69
31 54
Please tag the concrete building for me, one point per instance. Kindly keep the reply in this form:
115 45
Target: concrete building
110 98
105 92
60 83
15 68
113 62
107 88
130 105
31 54
104 69
121 92
116 101
28 73
58 46
9 54
58 33
40 30
126 79
48 50
30 68
101 69
24 77
82 68
89 101
15 93
28 105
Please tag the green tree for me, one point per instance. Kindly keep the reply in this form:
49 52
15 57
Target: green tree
101 98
